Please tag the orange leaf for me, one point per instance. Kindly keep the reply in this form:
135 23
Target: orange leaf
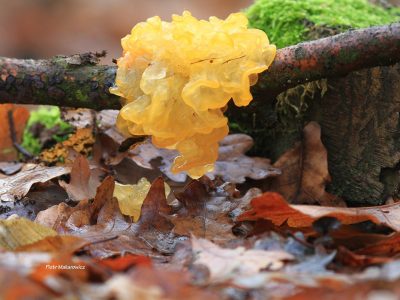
349 258
387 247
65 244
123 263
273 207
65 266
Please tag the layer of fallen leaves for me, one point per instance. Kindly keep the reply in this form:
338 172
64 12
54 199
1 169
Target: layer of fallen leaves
118 225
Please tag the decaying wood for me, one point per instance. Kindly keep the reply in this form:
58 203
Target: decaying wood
77 81
68 81
360 121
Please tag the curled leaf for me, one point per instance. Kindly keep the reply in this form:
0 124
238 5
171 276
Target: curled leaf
273 207
131 196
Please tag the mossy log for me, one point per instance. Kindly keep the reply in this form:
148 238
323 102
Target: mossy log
359 113
78 81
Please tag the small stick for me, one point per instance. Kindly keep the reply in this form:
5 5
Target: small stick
13 137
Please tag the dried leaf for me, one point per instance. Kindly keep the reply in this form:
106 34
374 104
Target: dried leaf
173 284
10 168
65 244
83 183
387 247
103 221
369 289
351 259
124 288
155 207
225 264
18 232
305 171
84 213
155 284
234 166
273 207
131 196
203 214
62 266
18 185
15 285
20 117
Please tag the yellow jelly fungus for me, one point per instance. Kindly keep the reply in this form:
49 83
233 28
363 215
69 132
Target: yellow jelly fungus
131 197
176 78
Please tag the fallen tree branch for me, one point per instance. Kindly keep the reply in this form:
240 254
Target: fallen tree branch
333 56
77 81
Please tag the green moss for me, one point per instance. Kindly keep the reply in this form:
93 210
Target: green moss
81 96
289 22
49 117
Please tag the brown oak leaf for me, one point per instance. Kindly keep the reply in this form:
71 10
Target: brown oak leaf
305 171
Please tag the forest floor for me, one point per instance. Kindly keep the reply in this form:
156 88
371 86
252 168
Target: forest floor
99 217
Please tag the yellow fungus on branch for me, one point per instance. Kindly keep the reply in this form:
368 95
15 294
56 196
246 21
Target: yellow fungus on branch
177 77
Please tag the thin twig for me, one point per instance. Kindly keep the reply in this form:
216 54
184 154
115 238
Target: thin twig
13 136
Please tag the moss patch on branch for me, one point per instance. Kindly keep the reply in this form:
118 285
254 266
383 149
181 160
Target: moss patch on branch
289 22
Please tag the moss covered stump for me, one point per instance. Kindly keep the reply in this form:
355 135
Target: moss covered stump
358 113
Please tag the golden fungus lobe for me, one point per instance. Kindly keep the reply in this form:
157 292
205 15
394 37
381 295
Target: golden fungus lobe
176 77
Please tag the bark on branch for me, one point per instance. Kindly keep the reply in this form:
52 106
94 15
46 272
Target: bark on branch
77 81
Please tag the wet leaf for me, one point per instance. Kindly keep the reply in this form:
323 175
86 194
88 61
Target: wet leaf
225 264
102 224
204 214
18 185
273 207
84 213
232 164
